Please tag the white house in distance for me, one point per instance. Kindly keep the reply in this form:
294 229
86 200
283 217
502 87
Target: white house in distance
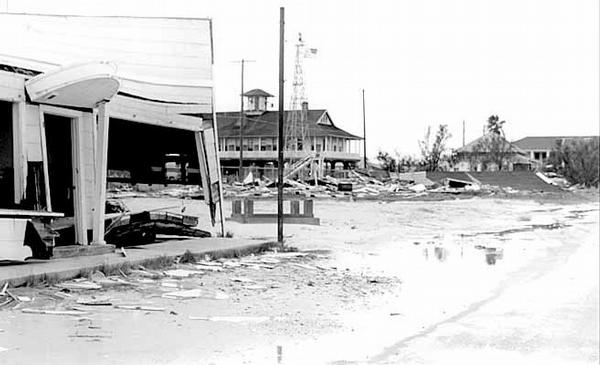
485 153
539 147
80 93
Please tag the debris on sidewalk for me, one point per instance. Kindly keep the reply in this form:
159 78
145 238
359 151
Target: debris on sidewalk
181 273
93 300
194 293
206 267
146 273
141 308
54 312
83 285
231 319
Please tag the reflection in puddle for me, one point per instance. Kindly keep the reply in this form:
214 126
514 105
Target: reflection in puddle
491 255
441 253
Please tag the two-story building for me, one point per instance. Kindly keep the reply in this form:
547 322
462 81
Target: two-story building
539 148
337 148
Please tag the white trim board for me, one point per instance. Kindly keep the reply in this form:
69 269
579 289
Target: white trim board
148 112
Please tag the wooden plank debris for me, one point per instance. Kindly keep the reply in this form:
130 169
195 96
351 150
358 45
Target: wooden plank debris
54 312
141 308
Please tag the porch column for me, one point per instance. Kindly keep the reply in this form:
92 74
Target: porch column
100 173
19 162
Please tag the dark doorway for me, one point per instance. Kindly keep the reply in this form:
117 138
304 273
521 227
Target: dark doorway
60 163
6 156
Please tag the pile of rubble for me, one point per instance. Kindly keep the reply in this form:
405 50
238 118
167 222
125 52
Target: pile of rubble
357 185
120 191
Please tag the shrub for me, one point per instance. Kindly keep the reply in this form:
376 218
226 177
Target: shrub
577 160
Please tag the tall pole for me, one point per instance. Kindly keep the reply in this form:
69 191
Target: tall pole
241 170
463 133
364 133
280 132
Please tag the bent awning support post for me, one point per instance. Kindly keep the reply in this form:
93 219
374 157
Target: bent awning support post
100 166
211 178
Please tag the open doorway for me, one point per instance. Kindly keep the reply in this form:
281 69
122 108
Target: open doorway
60 163
166 156
6 156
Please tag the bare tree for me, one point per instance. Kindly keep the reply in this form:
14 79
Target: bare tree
388 162
432 152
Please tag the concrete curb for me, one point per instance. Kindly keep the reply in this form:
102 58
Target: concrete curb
153 255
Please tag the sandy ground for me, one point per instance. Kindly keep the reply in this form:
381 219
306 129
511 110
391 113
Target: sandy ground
449 282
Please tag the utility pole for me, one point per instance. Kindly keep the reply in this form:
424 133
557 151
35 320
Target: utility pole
241 171
280 141
463 133
364 132
241 121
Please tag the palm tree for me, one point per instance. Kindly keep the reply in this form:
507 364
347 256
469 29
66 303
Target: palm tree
495 126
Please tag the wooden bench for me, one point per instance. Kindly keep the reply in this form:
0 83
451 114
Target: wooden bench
242 211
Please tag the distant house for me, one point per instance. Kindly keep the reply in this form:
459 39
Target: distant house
539 148
491 152
337 147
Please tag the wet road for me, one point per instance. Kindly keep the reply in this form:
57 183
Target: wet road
477 281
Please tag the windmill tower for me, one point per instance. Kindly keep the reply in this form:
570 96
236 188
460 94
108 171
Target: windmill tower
297 140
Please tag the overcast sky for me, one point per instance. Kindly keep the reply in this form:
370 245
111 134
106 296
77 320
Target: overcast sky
421 62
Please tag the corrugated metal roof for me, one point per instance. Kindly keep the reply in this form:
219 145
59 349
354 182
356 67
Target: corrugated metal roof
265 125
166 59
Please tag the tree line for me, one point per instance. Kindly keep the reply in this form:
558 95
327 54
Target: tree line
577 159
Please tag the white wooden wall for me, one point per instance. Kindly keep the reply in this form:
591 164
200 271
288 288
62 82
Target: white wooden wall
167 59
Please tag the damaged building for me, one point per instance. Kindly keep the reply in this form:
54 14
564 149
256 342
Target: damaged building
80 96
337 148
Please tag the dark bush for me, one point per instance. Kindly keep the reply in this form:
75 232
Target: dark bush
577 160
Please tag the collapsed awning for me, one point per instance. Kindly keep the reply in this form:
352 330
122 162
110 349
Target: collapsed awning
83 85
